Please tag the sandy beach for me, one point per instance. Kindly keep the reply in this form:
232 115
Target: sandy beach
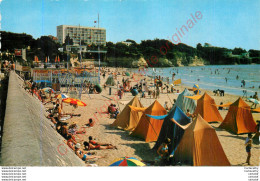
127 145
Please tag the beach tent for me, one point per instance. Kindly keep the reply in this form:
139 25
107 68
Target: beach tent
206 107
110 80
185 103
239 118
200 146
128 119
170 129
149 128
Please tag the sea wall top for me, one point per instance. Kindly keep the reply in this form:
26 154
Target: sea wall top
29 138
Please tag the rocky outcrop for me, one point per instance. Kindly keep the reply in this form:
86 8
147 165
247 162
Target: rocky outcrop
196 61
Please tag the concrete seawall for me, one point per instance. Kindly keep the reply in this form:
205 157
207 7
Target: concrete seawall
29 138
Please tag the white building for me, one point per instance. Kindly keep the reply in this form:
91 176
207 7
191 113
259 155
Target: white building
126 43
87 35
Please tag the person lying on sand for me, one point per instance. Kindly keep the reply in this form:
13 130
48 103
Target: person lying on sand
90 123
82 155
64 131
73 129
97 143
71 142
89 146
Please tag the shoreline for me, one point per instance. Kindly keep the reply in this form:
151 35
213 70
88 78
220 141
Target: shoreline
212 81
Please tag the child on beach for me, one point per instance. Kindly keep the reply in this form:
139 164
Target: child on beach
163 152
166 106
256 136
90 123
248 144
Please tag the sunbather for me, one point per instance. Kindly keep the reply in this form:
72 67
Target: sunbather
90 146
82 155
97 143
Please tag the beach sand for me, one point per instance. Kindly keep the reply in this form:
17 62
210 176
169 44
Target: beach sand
127 145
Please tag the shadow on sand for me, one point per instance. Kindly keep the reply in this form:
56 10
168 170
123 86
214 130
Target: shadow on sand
125 135
234 136
143 150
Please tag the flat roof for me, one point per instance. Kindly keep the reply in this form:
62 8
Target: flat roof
71 26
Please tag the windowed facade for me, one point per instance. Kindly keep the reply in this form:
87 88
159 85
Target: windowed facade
82 35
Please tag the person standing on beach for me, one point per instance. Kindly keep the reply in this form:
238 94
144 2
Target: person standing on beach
157 92
256 137
173 75
243 83
248 144
255 96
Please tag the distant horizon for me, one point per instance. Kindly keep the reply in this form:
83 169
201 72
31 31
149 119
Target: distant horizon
229 24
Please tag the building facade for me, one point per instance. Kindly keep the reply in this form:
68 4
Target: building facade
85 35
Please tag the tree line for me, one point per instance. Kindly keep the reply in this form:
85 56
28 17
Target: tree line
122 54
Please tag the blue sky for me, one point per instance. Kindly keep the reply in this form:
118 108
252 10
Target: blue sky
224 23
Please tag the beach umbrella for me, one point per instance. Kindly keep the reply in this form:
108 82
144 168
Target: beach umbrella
63 96
127 161
196 89
48 89
253 100
74 102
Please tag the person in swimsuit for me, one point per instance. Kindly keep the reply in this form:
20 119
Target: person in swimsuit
248 144
97 143
82 155
188 113
256 136
90 146
71 142
90 123
163 151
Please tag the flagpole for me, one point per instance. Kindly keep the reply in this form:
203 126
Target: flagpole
98 54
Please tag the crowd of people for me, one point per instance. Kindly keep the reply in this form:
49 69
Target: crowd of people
60 122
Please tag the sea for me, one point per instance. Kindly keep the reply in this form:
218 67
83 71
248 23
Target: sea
212 77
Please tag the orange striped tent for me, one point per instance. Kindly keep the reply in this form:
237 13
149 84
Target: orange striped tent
149 128
239 118
200 146
207 109
129 119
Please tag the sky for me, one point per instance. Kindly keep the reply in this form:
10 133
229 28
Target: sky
223 23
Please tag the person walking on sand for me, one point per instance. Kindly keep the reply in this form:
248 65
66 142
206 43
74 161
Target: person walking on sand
248 144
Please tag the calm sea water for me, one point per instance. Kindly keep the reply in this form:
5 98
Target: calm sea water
212 77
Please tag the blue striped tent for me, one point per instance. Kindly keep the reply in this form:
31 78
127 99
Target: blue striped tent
185 103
